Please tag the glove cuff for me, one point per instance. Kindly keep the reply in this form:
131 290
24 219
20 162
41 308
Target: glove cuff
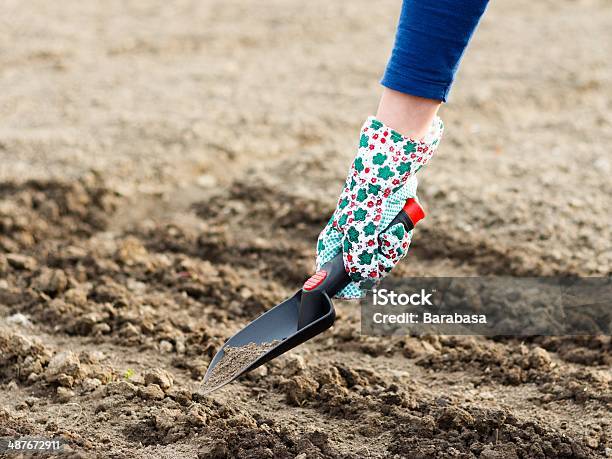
377 136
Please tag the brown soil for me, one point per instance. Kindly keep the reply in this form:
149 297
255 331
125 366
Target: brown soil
165 168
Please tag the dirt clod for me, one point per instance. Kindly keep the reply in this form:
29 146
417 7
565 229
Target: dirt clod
539 358
50 281
160 377
24 262
64 394
152 392
64 368
300 389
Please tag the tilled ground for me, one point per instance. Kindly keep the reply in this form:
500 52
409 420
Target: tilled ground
134 243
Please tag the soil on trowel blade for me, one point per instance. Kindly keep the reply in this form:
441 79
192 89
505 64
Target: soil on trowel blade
233 361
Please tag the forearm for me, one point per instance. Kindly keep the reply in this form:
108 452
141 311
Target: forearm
410 115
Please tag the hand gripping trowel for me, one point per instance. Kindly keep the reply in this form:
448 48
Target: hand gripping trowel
307 313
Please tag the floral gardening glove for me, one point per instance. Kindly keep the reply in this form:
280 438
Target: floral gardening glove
379 182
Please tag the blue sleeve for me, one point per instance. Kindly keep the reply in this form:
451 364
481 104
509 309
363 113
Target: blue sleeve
430 40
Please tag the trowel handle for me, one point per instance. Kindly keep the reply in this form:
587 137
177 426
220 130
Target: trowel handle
332 277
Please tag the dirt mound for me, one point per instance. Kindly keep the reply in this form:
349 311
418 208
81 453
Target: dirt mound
268 441
452 431
39 211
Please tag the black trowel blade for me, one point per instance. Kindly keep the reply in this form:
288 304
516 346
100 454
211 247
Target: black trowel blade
278 324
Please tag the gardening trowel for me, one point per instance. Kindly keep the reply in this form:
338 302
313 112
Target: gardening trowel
306 314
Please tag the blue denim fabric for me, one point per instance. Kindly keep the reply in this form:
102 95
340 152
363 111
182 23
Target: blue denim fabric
432 35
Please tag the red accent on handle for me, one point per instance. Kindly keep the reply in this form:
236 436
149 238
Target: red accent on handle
414 210
315 280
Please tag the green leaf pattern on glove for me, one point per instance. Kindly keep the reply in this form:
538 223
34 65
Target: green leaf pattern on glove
380 180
